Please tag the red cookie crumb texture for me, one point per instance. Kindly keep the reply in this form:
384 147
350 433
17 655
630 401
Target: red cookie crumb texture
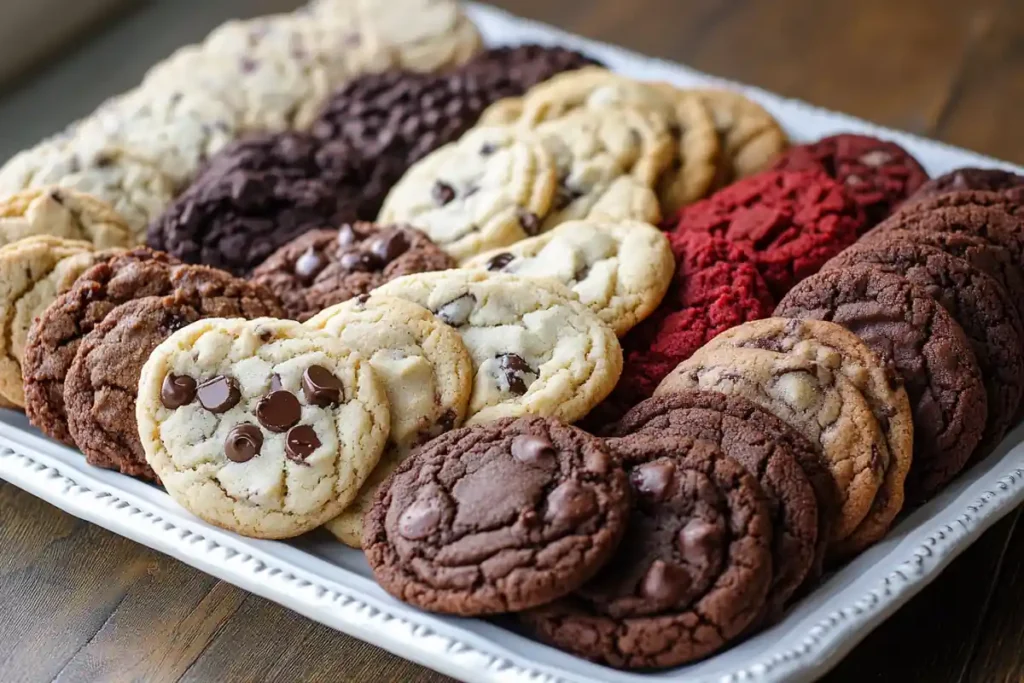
789 222
878 174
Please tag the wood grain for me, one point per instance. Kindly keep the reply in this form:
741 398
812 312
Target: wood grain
81 604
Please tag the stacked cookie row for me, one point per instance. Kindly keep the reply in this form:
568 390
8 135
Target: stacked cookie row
267 74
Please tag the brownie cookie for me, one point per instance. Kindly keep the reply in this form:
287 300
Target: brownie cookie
908 329
692 572
325 267
878 174
986 179
497 518
977 302
102 383
257 195
820 403
771 452
791 222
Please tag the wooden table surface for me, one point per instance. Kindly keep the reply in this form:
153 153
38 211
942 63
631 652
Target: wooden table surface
78 603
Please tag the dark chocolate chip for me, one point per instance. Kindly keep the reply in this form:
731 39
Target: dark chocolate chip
564 196
499 261
243 443
321 387
443 193
359 261
487 149
699 541
652 480
219 395
309 265
665 582
389 246
457 311
533 450
570 504
279 411
529 221
300 443
177 391
514 369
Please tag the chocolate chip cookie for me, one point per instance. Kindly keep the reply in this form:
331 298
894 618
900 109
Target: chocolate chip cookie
691 574
750 138
63 213
265 427
909 330
325 267
961 179
783 462
497 518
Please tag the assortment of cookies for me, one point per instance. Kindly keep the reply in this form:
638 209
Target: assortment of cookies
538 337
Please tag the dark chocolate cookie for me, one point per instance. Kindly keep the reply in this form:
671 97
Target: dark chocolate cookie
693 570
908 329
977 302
497 518
325 267
394 119
961 179
878 174
782 460
258 194
102 383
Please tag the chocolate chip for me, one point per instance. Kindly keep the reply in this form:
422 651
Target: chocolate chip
457 311
581 273
321 387
361 300
698 541
443 193
359 261
570 504
420 519
529 221
243 443
177 391
389 246
652 480
564 196
346 236
487 149
309 265
514 370
219 395
300 443
499 261
275 382
665 582
533 450
279 411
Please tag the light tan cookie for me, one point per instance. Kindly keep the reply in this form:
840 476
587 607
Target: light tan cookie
838 349
749 136
818 402
23 265
491 188
426 372
62 213
137 191
263 427
620 270
535 349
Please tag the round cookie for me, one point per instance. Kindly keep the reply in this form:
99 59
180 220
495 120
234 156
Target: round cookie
491 188
734 426
821 404
325 267
790 222
748 135
535 349
909 330
425 371
101 385
263 427
63 213
841 351
257 195
23 264
878 174
497 518
692 572
961 179
621 270
977 302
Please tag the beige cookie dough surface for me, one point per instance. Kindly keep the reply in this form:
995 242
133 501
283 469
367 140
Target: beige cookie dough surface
62 213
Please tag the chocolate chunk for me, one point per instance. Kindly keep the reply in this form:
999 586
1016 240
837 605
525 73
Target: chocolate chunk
359 261
564 196
219 395
279 411
665 582
533 450
389 246
420 519
321 387
529 221
177 391
699 541
570 504
514 369
309 265
652 480
499 261
443 193
243 443
457 311
300 443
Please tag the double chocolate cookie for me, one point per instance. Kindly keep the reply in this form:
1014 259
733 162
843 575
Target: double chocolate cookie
497 518
325 267
966 179
692 572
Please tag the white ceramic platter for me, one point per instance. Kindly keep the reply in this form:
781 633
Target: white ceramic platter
331 584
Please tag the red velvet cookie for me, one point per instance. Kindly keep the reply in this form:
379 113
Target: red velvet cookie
878 174
791 222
